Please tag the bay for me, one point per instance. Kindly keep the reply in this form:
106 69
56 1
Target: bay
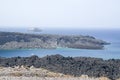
111 51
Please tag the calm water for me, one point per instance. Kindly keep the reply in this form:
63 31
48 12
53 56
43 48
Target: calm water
110 51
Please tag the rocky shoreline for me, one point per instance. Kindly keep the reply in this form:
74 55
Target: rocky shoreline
75 66
13 40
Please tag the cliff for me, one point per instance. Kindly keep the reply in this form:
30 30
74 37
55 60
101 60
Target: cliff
13 40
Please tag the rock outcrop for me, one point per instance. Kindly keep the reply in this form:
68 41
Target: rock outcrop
13 40
76 66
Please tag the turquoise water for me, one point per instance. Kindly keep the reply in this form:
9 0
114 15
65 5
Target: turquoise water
110 51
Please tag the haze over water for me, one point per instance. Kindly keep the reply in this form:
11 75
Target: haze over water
90 16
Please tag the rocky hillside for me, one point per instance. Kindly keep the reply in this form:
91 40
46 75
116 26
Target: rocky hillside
13 40
75 66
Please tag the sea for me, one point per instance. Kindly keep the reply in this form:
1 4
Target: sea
111 51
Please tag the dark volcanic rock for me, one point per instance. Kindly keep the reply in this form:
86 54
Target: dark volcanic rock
12 40
93 67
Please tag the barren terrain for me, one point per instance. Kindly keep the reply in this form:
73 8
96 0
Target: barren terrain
25 73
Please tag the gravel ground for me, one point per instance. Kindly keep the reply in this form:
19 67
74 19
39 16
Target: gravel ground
25 73
47 78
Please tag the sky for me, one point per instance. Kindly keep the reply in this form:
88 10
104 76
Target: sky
90 14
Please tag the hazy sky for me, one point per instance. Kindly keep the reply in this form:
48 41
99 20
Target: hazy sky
60 13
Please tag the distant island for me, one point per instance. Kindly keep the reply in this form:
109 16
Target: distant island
14 40
34 29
